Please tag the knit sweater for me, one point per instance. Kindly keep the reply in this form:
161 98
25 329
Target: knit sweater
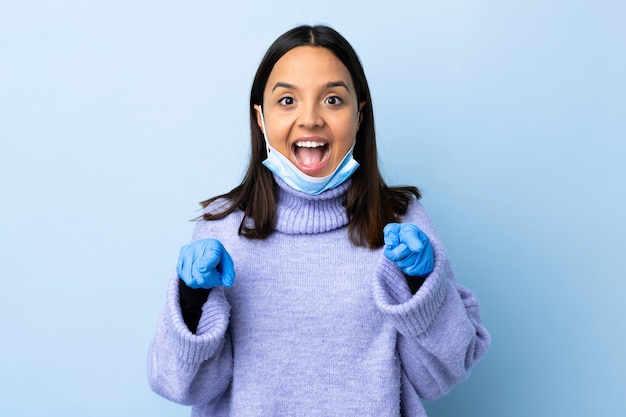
316 326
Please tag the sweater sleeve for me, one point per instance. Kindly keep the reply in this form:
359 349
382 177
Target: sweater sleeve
190 368
440 335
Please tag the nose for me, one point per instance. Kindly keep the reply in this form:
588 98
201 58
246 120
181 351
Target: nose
310 116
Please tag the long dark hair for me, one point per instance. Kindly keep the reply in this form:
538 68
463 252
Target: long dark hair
370 203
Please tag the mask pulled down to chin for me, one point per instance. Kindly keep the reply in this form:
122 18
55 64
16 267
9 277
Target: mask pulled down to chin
283 168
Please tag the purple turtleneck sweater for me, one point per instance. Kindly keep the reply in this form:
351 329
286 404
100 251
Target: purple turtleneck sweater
316 326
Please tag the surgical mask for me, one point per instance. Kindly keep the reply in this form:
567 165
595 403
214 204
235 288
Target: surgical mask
282 167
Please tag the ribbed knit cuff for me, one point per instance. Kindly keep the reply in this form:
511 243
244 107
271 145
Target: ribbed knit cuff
193 349
412 315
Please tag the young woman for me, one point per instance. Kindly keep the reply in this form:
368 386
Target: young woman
313 288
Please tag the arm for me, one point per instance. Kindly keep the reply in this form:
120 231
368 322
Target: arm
191 302
440 335
414 283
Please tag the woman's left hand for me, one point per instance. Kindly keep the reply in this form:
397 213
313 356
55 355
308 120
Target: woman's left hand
409 248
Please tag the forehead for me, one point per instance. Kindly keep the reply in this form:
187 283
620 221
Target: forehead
309 65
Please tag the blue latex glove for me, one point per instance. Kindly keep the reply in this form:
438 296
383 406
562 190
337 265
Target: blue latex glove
409 248
205 264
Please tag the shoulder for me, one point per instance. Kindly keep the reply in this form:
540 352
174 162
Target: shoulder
221 226
217 206
415 210
416 213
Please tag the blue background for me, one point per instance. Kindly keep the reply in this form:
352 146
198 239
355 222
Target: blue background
117 117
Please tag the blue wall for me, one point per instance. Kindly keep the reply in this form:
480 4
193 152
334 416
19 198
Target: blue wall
117 117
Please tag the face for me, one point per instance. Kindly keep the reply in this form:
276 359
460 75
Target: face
311 110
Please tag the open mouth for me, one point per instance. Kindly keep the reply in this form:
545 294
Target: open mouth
310 154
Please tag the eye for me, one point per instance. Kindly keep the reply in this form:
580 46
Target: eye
286 101
333 100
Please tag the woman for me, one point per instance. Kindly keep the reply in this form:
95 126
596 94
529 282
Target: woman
313 288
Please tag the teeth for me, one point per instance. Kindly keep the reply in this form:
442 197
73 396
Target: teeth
309 144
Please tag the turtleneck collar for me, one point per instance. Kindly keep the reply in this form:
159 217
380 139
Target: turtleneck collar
301 213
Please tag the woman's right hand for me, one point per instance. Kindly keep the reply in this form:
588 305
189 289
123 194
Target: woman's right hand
205 264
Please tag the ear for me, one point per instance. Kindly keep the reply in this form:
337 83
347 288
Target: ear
259 120
358 122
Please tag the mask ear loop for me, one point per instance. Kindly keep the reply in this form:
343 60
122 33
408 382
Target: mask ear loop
358 125
267 144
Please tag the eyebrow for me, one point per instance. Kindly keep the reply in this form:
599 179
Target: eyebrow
283 85
337 84
330 84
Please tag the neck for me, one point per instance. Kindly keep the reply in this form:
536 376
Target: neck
302 213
